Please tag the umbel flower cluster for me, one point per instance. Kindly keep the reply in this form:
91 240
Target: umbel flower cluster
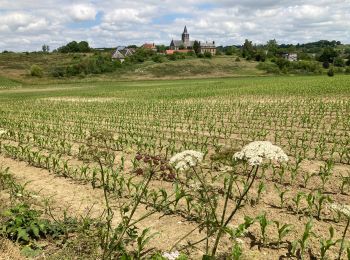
2 131
255 153
342 209
171 255
186 159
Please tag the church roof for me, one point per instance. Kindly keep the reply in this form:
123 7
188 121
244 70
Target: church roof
185 29
178 43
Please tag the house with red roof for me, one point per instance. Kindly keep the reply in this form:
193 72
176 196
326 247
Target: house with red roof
150 46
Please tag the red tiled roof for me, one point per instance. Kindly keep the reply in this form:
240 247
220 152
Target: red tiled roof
149 46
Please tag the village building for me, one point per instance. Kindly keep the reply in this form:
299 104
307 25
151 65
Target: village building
150 46
186 44
290 56
122 52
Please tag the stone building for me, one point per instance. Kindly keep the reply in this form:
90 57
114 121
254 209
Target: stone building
186 44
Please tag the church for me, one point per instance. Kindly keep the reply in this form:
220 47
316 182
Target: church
186 44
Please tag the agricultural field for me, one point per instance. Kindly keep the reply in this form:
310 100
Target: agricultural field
161 164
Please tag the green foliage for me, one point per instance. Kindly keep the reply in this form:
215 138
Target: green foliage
264 222
330 72
196 47
36 71
339 62
303 242
22 224
326 244
260 56
74 46
328 55
96 64
283 230
141 55
230 50
158 58
207 55
248 50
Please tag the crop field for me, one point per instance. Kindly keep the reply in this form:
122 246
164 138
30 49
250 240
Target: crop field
110 146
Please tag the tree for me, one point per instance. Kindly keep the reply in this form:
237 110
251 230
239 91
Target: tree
272 47
161 48
230 50
348 61
83 46
339 62
328 54
196 47
181 47
73 46
45 48
260 56
248 50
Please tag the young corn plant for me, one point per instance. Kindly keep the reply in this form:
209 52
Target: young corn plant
297 199
282 230
264 223
281 195
301 244
320 199
326 244
261 189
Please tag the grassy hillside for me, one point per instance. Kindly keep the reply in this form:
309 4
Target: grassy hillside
17 66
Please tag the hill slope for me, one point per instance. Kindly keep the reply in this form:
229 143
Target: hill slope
17 66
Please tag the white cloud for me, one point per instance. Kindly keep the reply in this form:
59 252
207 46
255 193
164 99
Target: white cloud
120 22
82 12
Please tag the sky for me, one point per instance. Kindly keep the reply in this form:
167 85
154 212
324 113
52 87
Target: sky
26 25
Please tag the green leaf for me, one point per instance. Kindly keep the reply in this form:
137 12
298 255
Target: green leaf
35 230
22 234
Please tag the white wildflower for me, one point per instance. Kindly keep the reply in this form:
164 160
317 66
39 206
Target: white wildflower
257 151
239 241
186 159
2 131
195 186
343 209
171 256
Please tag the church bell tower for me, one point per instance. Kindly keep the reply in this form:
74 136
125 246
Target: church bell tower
185 37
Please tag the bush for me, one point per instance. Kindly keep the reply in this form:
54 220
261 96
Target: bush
96 64
339 62
24 225
330 72
191 53
283 63
207 55
57 72
200 55
158 58
348 62
237 59
36 71
269 67
347 70
172 57
325 65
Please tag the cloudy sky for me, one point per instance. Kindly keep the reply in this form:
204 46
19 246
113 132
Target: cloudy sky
27 25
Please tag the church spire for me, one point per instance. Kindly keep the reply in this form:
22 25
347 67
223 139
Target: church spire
185 29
